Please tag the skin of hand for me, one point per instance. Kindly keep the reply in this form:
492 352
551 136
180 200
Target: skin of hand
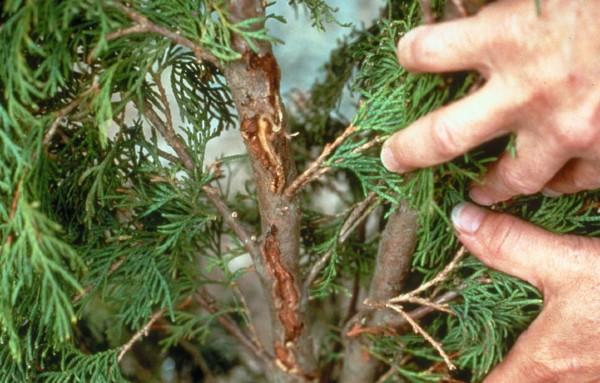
542 84
563 344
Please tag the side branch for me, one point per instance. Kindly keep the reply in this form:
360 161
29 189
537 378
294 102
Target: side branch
316 169
140 334
176 143
207 302
62 113
229 217
309 173
144 25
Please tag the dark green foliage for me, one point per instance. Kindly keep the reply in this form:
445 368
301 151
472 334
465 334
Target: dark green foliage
98 221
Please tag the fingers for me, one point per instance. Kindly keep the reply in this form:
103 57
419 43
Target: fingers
508 244
526 173
445 47
521 364
577 175
449 131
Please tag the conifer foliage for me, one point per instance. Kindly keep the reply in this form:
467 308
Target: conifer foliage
116 237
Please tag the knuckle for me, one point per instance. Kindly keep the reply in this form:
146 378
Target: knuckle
443 136
538 362
539 369
575 138
502 235
580 183
515 181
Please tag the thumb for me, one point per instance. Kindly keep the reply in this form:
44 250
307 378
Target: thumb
508 244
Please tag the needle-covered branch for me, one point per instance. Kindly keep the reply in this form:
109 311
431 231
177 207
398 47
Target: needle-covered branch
167 131
144 25
62 113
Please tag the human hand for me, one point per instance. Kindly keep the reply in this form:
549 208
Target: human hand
563 343
543 84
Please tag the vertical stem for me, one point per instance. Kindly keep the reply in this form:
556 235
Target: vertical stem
254 83
394 256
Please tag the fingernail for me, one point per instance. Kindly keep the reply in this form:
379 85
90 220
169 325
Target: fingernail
547 192
467 217
389 160
480 196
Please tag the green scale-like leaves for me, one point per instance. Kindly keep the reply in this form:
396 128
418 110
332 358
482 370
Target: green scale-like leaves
101 227
494 308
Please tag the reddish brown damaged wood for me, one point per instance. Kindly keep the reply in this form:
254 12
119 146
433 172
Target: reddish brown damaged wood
254 82
286 296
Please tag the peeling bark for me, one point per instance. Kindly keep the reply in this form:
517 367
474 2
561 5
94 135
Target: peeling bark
254 83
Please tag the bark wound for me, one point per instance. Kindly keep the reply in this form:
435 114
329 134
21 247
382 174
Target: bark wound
263 129
285 293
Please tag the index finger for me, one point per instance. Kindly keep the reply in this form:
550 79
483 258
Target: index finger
449 131
446 47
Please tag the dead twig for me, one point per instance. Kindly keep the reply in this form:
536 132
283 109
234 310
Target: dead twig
313 168
321 170
436 280
394 324
419 330
140 334
412 297
62 113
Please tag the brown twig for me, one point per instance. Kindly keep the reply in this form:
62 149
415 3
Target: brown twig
395 324
144 25
62 113
395 304
140 333
423 311
166 129
425 302
437 279
418 329
230 218
309 173
388 374
208 303
326 169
